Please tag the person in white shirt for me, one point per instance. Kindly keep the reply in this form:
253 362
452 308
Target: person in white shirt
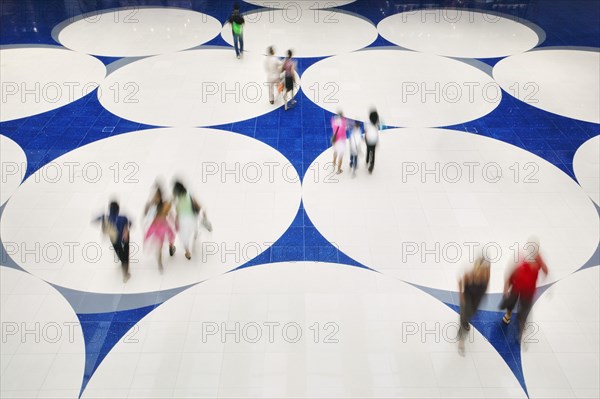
372 138
273 68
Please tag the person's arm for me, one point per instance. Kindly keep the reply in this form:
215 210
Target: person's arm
542 264
196 204
507 284
126 231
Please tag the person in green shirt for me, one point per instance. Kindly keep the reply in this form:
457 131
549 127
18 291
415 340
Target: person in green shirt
237 29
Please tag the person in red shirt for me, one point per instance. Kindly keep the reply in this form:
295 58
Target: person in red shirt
520 287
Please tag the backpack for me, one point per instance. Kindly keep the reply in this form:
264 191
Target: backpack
237 28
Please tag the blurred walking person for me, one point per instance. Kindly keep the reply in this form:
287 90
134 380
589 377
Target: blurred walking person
520 286
186 220
117 227
338 139
289 70
237 29
151 210
355 140
273 67
159 230
471 288
372 138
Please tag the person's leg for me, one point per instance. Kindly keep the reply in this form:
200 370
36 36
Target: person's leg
159 258
463 327
187 230
171 235
372 158
241 44
118 251
509 304
126 251
272 86
123 253
236 39
524 309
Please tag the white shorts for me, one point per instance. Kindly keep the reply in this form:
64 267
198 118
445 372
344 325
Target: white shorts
339 147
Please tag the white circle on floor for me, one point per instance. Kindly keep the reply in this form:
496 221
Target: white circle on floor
43 350
14 167
306 329
251 194
438 197
304 4
29 89
138 31
459 33
555 80
205 87
307 32
562 341
408 89
586 165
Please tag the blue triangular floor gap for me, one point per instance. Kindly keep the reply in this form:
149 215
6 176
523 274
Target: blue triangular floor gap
302 242
504 338
102 331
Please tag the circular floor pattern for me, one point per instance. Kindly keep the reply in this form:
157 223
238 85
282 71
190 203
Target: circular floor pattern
42 352
205 87
459 33
29 89
138 31
555 80
305 330
308 32
563 357
251 193
14 166
409 89
304 4
437 196
586 165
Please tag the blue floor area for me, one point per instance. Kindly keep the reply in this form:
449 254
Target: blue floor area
300 134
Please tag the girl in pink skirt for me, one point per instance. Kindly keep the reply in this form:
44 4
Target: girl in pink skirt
159 230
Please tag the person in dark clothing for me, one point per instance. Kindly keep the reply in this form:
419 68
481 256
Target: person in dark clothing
237 29
117 228
471 287
289 69
372 138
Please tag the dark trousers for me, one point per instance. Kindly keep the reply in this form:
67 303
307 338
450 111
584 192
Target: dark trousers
370 157
525 304
467 311
353 161
122 251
